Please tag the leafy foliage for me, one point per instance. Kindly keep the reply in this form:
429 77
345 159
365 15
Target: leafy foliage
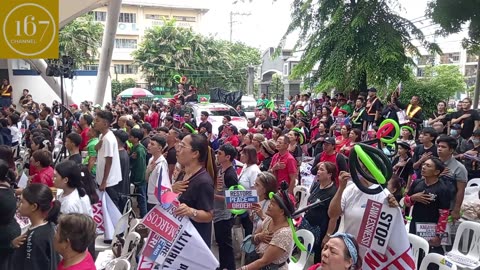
168 50
81 39
118 87
355 43
439 83
276 87
453 14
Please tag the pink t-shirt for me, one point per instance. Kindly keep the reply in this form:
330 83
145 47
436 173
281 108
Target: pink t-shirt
86 264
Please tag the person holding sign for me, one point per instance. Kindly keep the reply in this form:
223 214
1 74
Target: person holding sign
222 218
196 200
274 241
430 199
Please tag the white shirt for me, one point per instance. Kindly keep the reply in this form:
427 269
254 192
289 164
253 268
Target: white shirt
73 203
109 149
16 134
161 165
248 176
353 205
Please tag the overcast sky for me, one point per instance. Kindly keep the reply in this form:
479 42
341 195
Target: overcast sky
268 21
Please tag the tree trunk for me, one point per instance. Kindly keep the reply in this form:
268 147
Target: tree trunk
362 85
477 85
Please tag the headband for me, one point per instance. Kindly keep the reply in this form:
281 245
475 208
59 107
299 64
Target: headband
408 128
300 133
189 127
302 112
347 239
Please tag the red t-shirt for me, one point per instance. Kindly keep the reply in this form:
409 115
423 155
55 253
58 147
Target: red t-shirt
44 176
86 264
341 142
154 120
252 130
84 135
233 140
260 157
290 167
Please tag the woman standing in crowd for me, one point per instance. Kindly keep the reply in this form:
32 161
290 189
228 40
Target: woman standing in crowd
440 115
34 249
339 253
8 225
276 133
317 142
75 232
274 240
343 139
197 186
247 179
430 199
355 136
78 189
316 219
257 142
268 149
294 146
403 165
406 136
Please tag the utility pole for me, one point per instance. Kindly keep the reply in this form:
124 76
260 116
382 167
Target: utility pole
231 20
250 80
477 85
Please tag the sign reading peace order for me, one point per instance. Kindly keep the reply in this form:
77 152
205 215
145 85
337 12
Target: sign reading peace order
29 28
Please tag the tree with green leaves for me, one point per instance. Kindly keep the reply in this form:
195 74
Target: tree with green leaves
440 83
167 51
276 87
81 39
452 15
356 43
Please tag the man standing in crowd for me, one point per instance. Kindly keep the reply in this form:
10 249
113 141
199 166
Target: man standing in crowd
109 173
6 94
425 150
455 173
284 165
85 123
172 140
222 218
138 166
72 143
413 111
468 118
205 127
373 107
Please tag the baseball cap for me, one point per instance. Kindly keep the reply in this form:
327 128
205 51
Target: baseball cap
330 140
373 89
74 106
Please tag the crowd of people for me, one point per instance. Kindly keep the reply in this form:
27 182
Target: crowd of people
137 143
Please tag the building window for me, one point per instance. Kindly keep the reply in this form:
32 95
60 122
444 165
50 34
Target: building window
100 16
420 72
127 18
91 67
121 43
426 60
285 69
450 58
125 69
185 19
155 17
472 58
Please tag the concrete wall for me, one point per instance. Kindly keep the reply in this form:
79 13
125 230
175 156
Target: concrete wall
81 87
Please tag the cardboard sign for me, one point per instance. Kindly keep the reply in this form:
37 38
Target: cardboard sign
240 199
173 242
398 253
376 226
29 29
428 231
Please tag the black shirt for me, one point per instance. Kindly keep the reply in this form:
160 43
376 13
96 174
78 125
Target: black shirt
405 171
37 252
319 144
76 157
468 124
124 185
318 216
171 156
207 125
199 195
8 226
417 154
429 213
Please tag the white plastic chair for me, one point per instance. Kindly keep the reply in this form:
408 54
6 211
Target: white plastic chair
473 182
471 260
308 240
133 224
118 264
120 227
418 243
441 261
304 194
132 237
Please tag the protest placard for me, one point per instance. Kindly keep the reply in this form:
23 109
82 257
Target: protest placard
240 199
173 242
383 235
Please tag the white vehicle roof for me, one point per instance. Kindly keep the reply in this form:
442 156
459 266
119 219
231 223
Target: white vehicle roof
216 113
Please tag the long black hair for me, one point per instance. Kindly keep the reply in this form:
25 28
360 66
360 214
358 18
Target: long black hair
78 177
42 196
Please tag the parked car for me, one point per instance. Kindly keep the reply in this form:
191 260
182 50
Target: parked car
216 113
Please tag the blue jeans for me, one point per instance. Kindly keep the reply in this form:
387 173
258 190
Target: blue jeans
142 200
